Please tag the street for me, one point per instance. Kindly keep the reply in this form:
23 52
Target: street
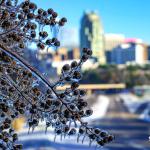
130 132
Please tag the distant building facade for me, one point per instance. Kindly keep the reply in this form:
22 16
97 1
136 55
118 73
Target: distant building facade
61 54
113 40
74 53
148 52
129 53
92 35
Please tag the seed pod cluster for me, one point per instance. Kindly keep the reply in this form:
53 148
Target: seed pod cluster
25 92
19 24
19 96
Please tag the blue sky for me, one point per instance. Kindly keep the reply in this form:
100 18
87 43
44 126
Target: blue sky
128 17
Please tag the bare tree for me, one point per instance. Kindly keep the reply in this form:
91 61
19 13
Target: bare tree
24 91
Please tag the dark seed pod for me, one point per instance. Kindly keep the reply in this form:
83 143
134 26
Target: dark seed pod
81 130
40 11
72 107
32 6
33 34
57 103
48 91
49 102
35 121
58 131
8 3
26 3
54 40
89 52
66 129
21 111
66 113
33 26
6 140
21 45
54 14
18 146
6 126
2 115
105 140
85 50
20 16
82 92
88 112
84 104
13 14
66 67
76 92
57 43
110 138
26 10
15 137
101 143
92 136
103 134
29 74
77 75
47 21
64 19
74 85
72 132
45 13
30 16
61 23
48 42
84 58
97 131
62 95
67 79
74 64
1 136
50 11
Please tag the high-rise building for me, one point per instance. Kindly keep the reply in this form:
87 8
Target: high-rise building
92 35
113 40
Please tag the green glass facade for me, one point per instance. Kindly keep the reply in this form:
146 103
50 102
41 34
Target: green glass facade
92 35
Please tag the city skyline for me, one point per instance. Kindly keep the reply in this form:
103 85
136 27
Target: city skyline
122 17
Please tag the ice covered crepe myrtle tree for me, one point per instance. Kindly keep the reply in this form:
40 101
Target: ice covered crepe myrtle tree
20 94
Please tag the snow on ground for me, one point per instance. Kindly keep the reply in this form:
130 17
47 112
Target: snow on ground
99 108
146 114
38 138
133 103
